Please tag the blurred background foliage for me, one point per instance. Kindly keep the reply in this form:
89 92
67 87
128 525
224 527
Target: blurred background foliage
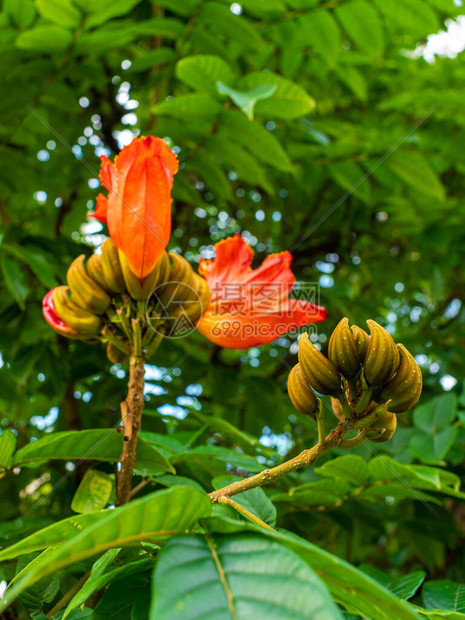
321 127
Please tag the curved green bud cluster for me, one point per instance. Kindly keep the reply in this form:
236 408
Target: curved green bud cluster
369 377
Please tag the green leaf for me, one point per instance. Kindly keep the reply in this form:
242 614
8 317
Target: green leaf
192 105
413 169
95 444
289 100
433 448
348 174
212 173
350 467
246 101
54 534
98 579
263 8
154 517
436 414
36 260
22 12
61 12
259 141
93 492
254 500
45 39
14 280
203 71
108 9
236 573
403 587
444 594
321 32
225 455
151 59
363 25
414 17
7 448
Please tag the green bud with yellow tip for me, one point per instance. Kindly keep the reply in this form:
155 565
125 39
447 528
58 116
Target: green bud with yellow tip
382 357
321 374
301 394
404 389
342 350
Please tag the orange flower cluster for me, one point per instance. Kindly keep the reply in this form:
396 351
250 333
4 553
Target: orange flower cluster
248 307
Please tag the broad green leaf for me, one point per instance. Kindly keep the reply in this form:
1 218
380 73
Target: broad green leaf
350 587
7 447
212 173
403 587
99 579
259 141
321 32
354 79
96 444
108 9
225 455
203 71
436 414
36 260
93 492
247 100
263 8
154 517
45 39
352 178
351 468
254 500
192 105
414 17
433 448
152 59
413 169
22 12
166 27
14 280
61 12
363 25
289 100
444 594
318 493
53 535
180 7
221 577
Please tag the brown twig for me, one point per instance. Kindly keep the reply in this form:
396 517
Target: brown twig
306 457
131 410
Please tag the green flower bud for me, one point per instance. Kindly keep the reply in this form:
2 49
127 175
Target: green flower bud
382 358
85 292
302 396
85 323
342 350
386 421
404 389
321 374
111 267
361 339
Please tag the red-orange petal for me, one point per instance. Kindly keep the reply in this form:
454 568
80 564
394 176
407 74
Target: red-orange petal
139 207
251 307
52 317
101 209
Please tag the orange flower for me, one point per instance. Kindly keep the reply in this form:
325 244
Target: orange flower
137 209
53 318
250 307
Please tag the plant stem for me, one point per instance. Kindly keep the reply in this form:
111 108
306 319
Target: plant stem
306 457
131 410
227 501
320 421
68 596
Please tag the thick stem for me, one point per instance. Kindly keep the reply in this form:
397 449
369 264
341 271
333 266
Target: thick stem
307 457
227 501
131 410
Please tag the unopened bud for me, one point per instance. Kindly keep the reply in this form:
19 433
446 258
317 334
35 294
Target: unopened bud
85 323
382 358
115 355
321 374
111 267
383 428
342 350
137 289
301 394
85 292
361 339
404 389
